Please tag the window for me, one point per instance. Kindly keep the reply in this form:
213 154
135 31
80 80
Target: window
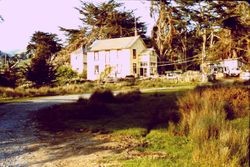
96 56
118 68
118 53
96 70
107 57
152 71
144 64
134 68
153 64
134 53
144 72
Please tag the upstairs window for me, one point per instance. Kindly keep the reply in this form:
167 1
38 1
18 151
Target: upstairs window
96 70
118 53
134 53
107 57
96 56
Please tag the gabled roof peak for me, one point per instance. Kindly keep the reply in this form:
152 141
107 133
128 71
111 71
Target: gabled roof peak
114 43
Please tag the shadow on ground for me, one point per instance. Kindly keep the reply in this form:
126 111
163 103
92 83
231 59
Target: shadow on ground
85 128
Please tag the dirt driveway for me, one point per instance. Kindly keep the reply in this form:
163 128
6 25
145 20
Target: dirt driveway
21 144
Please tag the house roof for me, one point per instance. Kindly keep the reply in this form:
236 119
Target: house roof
147 51
115 43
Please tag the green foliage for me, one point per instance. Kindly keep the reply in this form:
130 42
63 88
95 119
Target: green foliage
42 47
104 74
43 42
189 32
8 78
83 74
106 21
41 72
64 74
28 91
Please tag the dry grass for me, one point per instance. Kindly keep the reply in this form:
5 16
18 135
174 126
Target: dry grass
219 102
46 91
206 117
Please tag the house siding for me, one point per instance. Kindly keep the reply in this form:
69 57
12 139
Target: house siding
148 61
118 60
78 61
139 47
121 61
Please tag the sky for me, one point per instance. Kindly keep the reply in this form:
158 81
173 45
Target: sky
23 17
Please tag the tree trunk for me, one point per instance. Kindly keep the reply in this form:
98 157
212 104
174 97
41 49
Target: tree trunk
211 39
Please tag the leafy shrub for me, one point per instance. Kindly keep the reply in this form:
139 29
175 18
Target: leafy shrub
102 95
10 92
8 78
83 74
64 73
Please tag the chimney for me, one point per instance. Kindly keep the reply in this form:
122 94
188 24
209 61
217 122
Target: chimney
136 33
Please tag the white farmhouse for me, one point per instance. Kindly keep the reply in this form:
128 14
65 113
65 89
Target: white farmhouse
78 60
122 57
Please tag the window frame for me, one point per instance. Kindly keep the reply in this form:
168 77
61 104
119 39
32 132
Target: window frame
96 69
96 56
134 53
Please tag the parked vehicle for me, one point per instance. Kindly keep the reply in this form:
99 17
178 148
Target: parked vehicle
245 76
130 78
110 80
173 74
234 72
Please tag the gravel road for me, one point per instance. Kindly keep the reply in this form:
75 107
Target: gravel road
17 130
22 144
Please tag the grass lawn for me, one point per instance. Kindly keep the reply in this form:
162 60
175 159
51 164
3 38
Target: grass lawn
145 125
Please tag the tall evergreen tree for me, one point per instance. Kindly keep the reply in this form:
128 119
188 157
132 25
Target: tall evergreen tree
106 20
42 47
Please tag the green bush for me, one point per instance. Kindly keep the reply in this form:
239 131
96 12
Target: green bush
65 73
102 96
